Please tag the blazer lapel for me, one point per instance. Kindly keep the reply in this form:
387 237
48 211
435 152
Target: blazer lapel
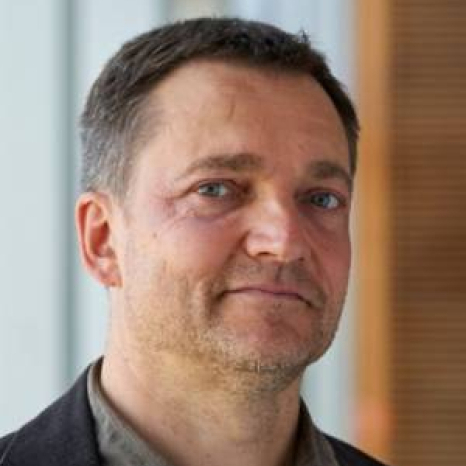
62 435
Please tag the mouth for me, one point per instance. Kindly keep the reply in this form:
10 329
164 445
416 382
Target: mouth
271 292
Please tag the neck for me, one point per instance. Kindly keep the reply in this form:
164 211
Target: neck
194 415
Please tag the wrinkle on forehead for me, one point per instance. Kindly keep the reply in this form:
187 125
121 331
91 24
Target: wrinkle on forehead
208 108
199 81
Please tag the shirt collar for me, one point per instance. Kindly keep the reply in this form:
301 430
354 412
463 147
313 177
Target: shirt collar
120 445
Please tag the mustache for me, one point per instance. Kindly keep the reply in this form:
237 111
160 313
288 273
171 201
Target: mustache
293 275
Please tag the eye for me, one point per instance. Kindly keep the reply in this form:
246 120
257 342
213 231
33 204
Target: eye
213 189
214 197
325 200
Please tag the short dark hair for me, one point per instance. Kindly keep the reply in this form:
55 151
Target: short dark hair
113 118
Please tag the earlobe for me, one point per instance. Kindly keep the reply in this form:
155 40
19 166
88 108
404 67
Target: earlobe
95 231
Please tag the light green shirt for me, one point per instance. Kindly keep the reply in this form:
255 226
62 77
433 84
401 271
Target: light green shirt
120 445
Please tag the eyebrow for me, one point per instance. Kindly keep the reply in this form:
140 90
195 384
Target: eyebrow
249 162
240 162
326 169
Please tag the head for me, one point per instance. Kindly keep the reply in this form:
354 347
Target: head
218 164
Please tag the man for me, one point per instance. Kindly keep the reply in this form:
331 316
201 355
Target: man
218 166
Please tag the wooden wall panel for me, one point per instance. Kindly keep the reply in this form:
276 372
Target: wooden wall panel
421 182
429 224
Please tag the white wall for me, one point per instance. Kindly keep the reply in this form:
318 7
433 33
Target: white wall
52 315
30 239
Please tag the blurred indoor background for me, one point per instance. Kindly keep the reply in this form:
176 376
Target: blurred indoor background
394 382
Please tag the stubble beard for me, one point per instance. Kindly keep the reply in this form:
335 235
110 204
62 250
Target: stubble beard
184 319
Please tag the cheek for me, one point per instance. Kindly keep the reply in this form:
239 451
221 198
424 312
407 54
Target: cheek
197 247
338 266
333 251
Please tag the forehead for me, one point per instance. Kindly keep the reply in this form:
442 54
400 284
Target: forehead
208 107
221 82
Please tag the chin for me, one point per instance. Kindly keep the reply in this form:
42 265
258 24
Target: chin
266 374
268 355
284 345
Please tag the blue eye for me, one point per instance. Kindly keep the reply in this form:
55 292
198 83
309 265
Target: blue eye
213 189
325 200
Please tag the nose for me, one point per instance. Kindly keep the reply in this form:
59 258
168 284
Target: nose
276 230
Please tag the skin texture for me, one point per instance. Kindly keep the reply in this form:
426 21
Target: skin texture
227 263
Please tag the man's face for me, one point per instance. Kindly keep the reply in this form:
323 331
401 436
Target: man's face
234 246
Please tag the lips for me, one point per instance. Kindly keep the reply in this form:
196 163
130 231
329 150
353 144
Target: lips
278 292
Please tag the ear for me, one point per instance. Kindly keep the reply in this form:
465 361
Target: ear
96 237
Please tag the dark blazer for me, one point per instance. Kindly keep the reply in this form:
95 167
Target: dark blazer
64 435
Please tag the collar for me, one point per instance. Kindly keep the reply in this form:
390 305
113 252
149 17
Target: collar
120 445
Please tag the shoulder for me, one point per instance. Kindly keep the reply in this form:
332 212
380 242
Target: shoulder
347 455
62 435
5 445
